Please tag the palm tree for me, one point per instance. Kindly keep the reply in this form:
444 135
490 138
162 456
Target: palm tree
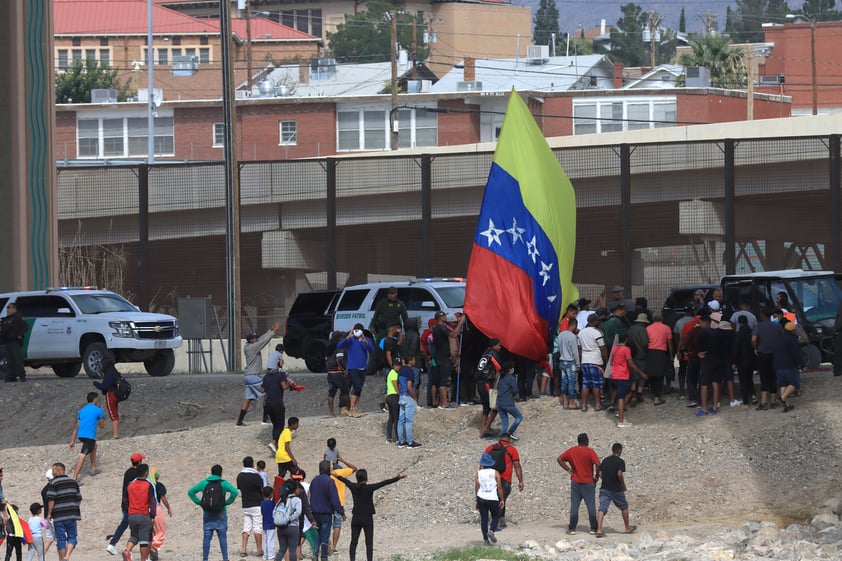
717 54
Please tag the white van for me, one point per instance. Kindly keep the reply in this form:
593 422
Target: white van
423 298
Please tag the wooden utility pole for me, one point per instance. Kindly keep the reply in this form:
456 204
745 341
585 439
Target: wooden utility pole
709 20
654 22
750 75
393 114
414 45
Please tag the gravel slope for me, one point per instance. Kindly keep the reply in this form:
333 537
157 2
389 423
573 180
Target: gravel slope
685 475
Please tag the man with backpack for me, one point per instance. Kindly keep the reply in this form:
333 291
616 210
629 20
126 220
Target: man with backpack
115 388
506 461
217 494
488 367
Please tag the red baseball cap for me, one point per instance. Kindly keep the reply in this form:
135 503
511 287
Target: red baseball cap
137 457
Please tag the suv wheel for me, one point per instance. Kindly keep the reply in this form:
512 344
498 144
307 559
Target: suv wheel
161 363
67 369
811 357
92 359
314 357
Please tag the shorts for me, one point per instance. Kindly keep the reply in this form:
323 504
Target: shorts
607 497
65 531
338 382
111 406
357 380
591 376
337 520
252 520
789 378
482 390
252 386
622 387
440 373
140 528
88 445
285 467
710 374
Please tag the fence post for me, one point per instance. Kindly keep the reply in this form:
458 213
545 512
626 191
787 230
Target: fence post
330 227
426 214
835 230
730 202
625 218
143 233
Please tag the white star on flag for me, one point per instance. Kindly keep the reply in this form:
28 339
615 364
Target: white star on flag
532 249
493 234
552 298
517 233
545 272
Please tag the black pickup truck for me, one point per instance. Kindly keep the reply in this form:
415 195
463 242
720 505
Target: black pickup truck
308 326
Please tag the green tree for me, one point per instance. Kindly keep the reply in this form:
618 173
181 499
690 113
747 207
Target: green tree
717 54
366 36
682 22
820 10
627 38
74 85
545 23
749 15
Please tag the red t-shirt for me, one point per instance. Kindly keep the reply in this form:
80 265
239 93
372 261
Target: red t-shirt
583 459
620 356
511 457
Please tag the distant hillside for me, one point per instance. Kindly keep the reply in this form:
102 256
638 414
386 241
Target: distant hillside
587 13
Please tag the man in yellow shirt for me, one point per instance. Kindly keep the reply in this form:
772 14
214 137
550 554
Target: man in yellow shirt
345 472
283 457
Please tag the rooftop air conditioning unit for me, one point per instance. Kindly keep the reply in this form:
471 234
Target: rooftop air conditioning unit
471 86
697 77
418 86
537 54
100 95
774 80
157 95
184 65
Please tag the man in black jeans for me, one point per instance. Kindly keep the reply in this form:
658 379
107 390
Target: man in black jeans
275 383
324 500
129 476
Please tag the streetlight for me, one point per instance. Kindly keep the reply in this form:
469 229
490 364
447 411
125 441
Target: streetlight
812 22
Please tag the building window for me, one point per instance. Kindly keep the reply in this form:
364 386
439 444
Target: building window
368 129
289 133
316 22
105 57
163 56
90 55
77 55
621 115
204 55
123 137
62 59
76 41
203 40
218 135
176 41
103 41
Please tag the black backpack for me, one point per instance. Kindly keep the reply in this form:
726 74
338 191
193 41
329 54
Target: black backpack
498 454
485 370
213 497
122 388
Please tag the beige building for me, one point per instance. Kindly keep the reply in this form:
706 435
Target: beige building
455 29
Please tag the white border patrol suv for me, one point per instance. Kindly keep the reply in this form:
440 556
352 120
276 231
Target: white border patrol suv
70 327
423 298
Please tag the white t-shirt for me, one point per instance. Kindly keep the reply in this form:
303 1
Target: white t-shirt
590 339
487 484
582 318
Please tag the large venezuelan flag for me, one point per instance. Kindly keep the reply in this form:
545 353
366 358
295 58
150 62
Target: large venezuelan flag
519 276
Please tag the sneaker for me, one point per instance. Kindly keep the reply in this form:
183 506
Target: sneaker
736 403
692 403
401 444
624 425
241 424
491 537
592 532
514 437
713 411
153 554
788 408
127 555
701 413
502 524
571 532
111 549
413 444
265 423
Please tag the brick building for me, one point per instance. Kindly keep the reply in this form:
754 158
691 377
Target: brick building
187 54
287 128
788 69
